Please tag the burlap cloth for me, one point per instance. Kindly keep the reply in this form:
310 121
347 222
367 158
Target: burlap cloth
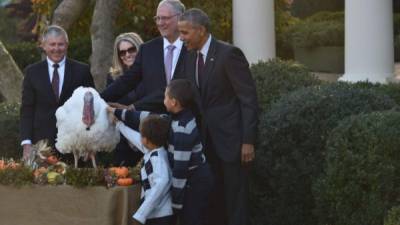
59 205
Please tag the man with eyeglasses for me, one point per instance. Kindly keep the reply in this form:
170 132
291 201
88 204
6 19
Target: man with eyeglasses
158 61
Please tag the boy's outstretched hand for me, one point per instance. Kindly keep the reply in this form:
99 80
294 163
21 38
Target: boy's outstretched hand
111 116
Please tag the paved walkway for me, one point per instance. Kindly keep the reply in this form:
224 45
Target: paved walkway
332 77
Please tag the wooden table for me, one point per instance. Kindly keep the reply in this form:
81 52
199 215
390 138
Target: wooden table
66 205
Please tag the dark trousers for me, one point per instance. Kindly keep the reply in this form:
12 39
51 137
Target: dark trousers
228 205
196 199
166 220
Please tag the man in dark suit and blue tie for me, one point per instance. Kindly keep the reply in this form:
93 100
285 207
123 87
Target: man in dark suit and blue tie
46 86
157 62
228 102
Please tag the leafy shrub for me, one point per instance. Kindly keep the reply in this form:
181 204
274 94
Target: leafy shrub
277 77
9 133
391 89
393 217
80 49
290 148
321 29
304 8
362 175
83 177
17 177
24 53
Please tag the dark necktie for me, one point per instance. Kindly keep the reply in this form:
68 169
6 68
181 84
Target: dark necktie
55 81
200 69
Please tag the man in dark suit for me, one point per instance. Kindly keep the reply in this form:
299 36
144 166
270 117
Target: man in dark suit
157 62
46 86
228 103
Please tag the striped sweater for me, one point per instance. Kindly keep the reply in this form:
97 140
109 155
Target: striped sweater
185 151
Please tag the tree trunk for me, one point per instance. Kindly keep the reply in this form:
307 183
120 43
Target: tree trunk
102 36
68 11
10 77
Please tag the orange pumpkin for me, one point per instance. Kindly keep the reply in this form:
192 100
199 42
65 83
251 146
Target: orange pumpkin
39 171
120 171
52 160
125 181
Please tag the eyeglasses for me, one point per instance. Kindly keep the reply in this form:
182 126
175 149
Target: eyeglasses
163 18
130 50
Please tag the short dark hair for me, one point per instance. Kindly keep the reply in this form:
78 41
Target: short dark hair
196 17
183 91
156 129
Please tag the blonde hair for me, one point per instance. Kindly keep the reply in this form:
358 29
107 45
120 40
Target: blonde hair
117 68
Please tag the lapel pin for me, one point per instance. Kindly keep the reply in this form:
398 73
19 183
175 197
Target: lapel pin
211 59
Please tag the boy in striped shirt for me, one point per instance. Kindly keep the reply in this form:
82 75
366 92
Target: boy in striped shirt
192 179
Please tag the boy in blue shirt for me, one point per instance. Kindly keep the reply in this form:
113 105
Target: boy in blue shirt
192 179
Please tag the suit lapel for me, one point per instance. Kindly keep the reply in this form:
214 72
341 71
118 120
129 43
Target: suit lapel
67 78
159 57
190 67
209 65
179 67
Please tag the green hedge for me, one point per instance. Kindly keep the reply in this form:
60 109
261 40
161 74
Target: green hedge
393 217
24 53
290 148
9 133
321 29
277 77
361 180
305 8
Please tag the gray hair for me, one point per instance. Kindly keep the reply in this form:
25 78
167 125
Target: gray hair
196 17
54 31
176 5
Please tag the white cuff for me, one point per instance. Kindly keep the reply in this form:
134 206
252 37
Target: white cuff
26 142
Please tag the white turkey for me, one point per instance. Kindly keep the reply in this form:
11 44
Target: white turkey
84 127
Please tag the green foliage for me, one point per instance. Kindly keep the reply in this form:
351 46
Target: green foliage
17 177
24 53
9 133
277 77
80 48
391 89
304 8
291 147
393 217
283 20
321 29
361 179
7 27
82 177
